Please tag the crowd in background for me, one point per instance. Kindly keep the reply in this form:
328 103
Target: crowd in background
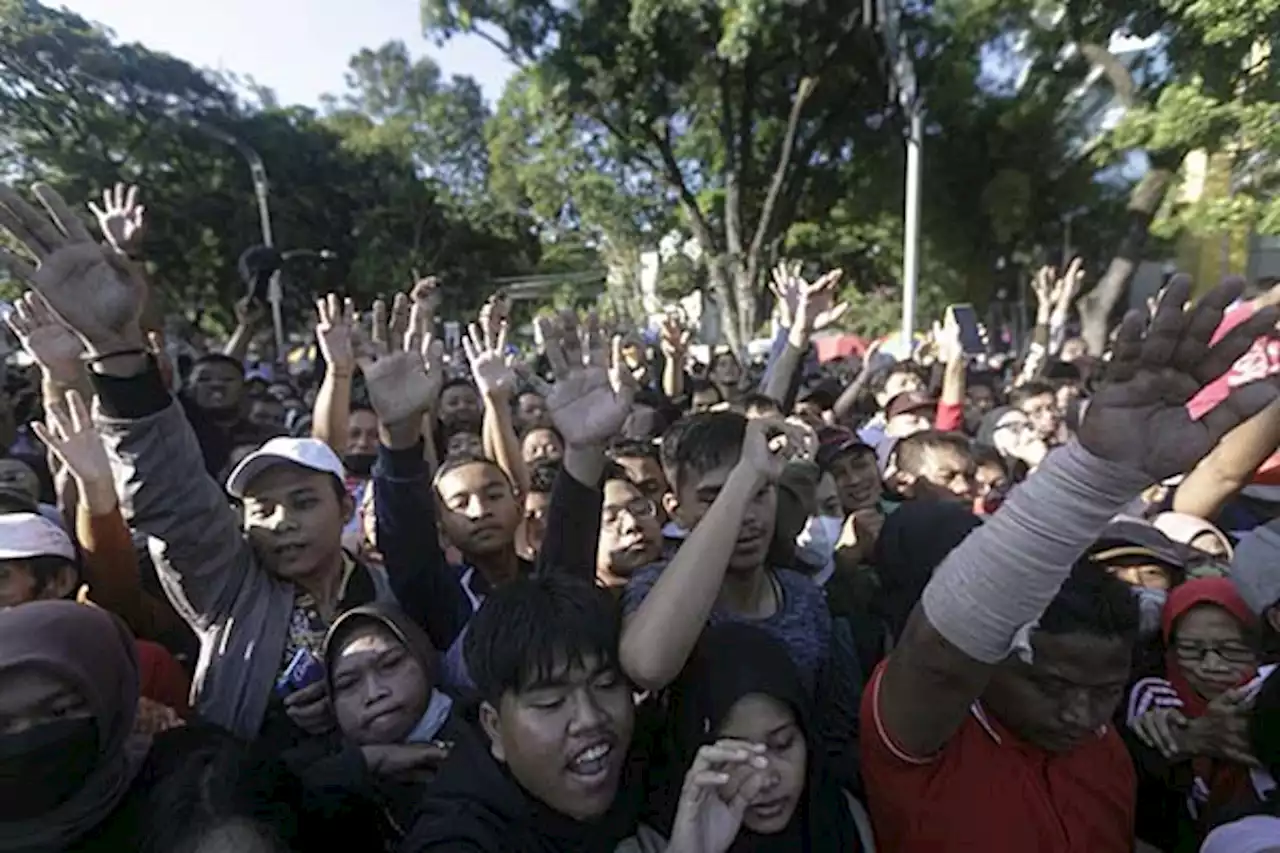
593 594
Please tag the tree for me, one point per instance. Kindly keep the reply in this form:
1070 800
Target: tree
1202 83
83 112
396 103
730 108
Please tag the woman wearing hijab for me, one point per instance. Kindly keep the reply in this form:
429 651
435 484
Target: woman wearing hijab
395 725
1189 751
741 686
85 767
68 751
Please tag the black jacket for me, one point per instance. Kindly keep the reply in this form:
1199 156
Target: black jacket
476 806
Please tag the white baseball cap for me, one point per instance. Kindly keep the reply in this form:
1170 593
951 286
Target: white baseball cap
308 452
24 535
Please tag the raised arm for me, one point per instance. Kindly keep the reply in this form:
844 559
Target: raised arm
160 475
110 566
815 309
1004 575
674 343
659 635
491 367
588 404
402 390
332 410
1229 466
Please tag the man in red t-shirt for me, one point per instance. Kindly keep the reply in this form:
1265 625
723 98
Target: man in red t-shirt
987 727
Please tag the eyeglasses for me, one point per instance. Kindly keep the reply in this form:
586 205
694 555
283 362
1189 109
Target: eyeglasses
1194 651
638 508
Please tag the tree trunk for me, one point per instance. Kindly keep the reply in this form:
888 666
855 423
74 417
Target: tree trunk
1097 306
722 285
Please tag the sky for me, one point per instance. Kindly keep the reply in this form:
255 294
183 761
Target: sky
299 48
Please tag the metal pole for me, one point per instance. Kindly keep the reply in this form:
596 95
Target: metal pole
911 226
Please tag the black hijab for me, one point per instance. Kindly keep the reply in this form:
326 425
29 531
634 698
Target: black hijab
733 660
93 651
914 541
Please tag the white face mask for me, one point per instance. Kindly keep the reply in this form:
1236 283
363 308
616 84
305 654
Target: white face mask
816 543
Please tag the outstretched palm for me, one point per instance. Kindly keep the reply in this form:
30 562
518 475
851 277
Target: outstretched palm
92 289
396 379
1139 419
490 365
53 346
588 402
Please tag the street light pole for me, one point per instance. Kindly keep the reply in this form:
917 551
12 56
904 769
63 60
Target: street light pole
258 174
906 89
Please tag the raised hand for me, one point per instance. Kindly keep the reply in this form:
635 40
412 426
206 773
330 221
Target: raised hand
334 329
725 777
95 291
592 394
674 337
400 390
1139 418
1056 293
817 307
74 441
785 284
49 341
494 315
121 218
768 444
490 365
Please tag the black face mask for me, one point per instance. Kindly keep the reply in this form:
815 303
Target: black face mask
40 768
359 464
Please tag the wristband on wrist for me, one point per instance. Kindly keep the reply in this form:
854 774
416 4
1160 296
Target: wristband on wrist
103 356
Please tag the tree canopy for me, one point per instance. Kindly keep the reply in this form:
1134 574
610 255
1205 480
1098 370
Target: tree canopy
83 111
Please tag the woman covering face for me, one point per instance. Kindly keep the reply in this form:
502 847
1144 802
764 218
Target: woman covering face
382 672
68 703
741 684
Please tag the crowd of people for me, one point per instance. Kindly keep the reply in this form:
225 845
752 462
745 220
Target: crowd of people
596 594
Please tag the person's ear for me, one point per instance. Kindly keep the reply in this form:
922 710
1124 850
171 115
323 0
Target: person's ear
348 507
64 581
903 484
670 504
489 722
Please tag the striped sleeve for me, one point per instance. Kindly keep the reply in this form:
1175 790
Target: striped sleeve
1150 693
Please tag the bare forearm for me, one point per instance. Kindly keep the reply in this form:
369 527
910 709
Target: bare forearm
673 375
659 636
1230 465
585 463
506 447
953 382
330 416
238 346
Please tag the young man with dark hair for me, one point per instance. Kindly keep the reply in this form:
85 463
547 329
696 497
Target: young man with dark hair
988 726
704 395
459 406
215 405
537 501
722 472
548 764
1039 402
933 465
641 463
